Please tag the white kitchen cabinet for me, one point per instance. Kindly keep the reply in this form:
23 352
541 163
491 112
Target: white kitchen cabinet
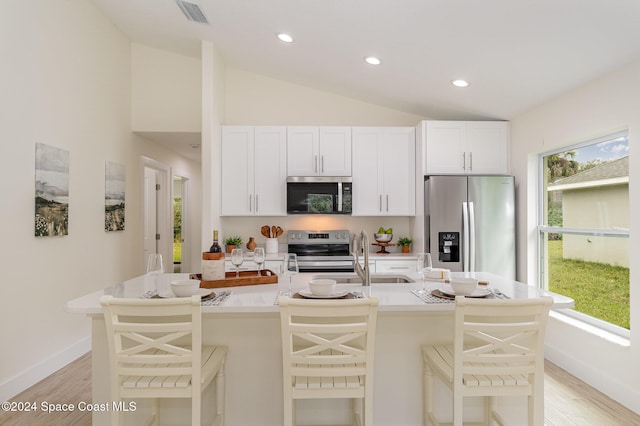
395 266
253 171
318 151
383 171
466 147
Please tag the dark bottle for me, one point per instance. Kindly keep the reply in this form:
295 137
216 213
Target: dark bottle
215 247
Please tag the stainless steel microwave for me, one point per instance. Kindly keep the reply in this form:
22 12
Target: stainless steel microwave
319 195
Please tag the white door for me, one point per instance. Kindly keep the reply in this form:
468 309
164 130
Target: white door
270 176
445 147
150 207
237 171
398 171
157 226
488 147
303 151
335 151
367 182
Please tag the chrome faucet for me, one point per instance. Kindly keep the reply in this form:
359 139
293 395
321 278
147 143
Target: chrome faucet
363 272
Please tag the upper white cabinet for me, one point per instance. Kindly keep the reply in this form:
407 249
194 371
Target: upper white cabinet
384 171
318 151
254 171
466 147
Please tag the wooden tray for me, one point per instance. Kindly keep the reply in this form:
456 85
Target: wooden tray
245 278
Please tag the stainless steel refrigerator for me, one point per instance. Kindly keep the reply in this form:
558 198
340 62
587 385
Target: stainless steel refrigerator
470 223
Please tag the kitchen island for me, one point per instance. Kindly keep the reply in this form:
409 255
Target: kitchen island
248 323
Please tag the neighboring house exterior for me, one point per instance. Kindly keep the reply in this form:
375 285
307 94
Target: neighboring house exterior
606 187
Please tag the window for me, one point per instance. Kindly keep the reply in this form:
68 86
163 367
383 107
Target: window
584 229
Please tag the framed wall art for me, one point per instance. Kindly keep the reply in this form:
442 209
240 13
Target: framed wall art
114 184
51 191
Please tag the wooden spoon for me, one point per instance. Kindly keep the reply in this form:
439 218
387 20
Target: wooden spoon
265 231
273 231
279 231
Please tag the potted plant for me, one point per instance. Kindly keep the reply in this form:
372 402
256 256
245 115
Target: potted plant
233 242
405 243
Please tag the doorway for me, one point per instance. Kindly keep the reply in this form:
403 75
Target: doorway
180 226
156 207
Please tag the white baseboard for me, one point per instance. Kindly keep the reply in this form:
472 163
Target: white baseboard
48 366
615 390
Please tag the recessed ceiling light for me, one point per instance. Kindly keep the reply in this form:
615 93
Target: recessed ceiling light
285 37
460 83
372 60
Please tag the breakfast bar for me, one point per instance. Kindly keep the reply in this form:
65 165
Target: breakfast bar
247 322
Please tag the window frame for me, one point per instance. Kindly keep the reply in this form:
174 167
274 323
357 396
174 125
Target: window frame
543 230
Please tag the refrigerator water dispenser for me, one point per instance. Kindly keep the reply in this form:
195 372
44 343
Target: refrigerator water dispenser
449 246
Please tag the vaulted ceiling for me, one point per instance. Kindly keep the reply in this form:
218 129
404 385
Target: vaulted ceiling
515 54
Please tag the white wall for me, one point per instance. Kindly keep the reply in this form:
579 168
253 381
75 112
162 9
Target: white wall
166 91
213 100
607 105
65 81
252 99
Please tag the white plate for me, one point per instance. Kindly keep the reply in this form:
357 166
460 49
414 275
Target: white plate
478 292
307 293
201 292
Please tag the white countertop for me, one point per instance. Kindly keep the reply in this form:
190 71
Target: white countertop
393 297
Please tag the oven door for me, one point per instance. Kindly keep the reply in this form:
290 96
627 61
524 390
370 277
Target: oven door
323 257
318 195
325 264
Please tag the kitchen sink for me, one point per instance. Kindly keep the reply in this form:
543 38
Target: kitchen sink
375 279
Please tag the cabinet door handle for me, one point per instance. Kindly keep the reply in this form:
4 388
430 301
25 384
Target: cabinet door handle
380 202
256 203
471 161
322 164
250 202
387 202
464 161
398 267
315 164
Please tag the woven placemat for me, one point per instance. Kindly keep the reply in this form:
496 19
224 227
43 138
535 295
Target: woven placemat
433 297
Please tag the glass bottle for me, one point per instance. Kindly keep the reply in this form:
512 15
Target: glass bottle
215 247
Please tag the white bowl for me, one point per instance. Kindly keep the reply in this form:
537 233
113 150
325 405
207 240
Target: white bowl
322 286
185 288
464 286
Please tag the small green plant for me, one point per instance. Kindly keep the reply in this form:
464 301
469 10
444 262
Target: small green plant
404 241
233 241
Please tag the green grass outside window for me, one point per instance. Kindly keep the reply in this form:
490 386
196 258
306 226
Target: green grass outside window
599 290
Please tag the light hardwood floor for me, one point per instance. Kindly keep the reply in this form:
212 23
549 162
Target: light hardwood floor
568 401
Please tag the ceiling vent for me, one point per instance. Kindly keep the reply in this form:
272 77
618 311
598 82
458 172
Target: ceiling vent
192 11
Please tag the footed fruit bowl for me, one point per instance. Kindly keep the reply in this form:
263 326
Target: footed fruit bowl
383 238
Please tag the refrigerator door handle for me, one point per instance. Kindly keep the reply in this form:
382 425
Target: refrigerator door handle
465 237
472 238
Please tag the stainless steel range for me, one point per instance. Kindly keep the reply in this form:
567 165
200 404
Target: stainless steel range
322 251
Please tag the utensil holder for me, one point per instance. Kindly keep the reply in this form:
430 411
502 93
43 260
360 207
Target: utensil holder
271 246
